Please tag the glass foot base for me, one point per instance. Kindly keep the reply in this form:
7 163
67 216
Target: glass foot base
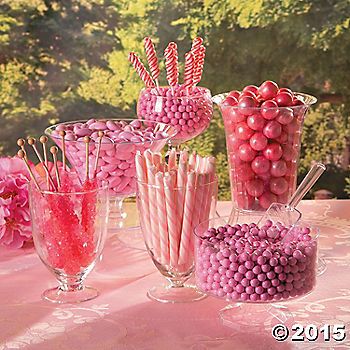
60 296
169 294
321 266
250 317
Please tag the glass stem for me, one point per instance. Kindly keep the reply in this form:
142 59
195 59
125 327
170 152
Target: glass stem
71 284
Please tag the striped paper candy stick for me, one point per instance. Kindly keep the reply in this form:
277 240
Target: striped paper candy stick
187 228
181 184
172 218
162 219
192 161
172 159
211 169
141 174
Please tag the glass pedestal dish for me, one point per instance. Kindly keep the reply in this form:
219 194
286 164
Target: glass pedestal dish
190 114
116 163
254 268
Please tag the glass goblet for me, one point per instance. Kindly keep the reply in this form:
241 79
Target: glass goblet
69 231
167 226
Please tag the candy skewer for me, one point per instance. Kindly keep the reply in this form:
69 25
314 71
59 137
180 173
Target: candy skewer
62 133
189 69
54 151
171 62
21 143
87 141
32 141
43 139
100 136
22 154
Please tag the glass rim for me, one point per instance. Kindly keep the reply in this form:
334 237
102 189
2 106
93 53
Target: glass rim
205 91
315 236
215 181
49 129
100 187
219 99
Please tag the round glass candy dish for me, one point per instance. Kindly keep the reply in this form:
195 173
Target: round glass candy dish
116 164
189 113
254 268
263 148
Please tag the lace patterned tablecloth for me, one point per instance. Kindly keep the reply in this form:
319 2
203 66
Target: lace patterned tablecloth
122 317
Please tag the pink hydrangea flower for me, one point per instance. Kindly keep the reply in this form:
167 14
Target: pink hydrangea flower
15 225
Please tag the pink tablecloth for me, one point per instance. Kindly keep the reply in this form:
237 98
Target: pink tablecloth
122 317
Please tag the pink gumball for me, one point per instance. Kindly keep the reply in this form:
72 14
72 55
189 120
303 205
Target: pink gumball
273 151
235 94
265 177
230 101
233 142
243 131
255 187
235 160
269 109
234 115
244 201
246 153
260 165
258 141
293 127
251 88
286 116
284 99
266 199
283 139
256 122
278 185
244 172
278 168
246 105
268 89
272 129
288 153
283 198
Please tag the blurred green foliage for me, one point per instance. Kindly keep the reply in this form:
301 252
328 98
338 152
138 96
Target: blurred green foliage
67 60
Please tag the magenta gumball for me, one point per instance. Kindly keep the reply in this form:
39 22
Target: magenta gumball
278 185
258 141
255 187
269 109
233 115
243 173
260 165
251 88
286 116
284 99
268 89
246 152
246 105
243 131
273 151
278 168
256 121
266 199
272 129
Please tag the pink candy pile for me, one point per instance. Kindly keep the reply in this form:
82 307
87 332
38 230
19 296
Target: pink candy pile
172 199
251 263
189 114
121 140
263 128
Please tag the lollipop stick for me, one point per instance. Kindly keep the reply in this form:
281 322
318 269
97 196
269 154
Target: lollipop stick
100 135
87 141
54 151
43 139
63 134
21 143
31 141
22 155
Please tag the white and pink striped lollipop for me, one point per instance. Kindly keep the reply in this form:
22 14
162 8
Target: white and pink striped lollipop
171 64
152 59
189 68
141 70
197 75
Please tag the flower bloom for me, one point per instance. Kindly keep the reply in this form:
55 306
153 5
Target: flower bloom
15 225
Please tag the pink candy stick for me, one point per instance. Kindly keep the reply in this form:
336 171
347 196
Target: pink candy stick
141 174
181 185
152 59
140 69
172 218
192 161
172 159
162 219
187 227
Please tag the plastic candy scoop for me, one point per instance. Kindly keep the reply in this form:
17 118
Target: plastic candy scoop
287 214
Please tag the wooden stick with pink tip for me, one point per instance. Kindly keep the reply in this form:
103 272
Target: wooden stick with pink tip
22 154
100 136
54 151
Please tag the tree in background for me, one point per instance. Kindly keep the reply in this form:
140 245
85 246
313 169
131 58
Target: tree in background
67 60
